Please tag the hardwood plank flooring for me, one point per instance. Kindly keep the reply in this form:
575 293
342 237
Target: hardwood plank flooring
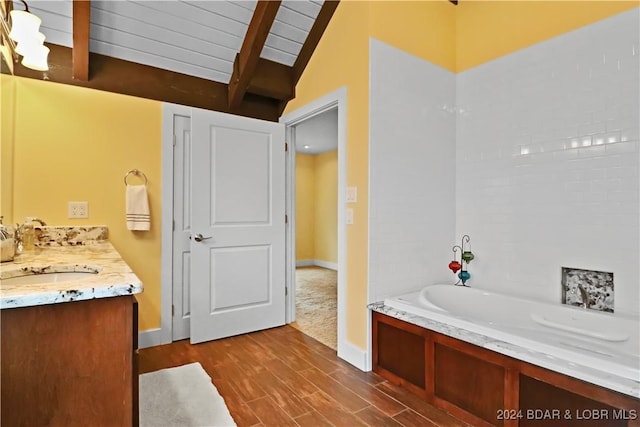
281 377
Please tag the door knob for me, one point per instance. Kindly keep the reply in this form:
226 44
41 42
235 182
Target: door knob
199 237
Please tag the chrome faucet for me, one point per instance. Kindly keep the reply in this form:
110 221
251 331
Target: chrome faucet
42 223
586 303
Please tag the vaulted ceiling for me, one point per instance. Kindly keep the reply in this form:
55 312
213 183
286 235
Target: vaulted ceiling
243 57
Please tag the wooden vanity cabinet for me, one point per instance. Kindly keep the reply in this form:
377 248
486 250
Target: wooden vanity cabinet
70 364
485 388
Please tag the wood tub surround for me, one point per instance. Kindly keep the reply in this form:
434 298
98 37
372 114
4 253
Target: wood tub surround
485 388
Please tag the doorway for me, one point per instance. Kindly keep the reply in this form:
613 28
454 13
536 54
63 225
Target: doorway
316 211
336 102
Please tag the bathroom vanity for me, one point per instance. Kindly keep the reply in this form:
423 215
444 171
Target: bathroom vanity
452 369
68 324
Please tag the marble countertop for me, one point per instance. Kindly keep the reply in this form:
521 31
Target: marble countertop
113 276
585 373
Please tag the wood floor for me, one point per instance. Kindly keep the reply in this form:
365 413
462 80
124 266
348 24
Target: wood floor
281 377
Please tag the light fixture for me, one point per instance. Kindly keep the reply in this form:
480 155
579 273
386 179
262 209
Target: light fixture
306 147
26 39
24 24
37 59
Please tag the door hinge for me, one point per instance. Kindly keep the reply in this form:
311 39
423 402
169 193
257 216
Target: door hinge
174 140
286 146
174 225
286 291
173 310
286 219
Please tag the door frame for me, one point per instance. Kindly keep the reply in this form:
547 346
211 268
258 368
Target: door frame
163 334
337 98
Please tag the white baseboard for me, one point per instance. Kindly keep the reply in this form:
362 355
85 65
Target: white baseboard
326 264
150 338
317 263
354 355
304 263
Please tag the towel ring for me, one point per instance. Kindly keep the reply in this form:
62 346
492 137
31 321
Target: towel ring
137 173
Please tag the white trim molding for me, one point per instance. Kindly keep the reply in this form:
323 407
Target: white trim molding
354 355
317 263
150 338
166 273
337 98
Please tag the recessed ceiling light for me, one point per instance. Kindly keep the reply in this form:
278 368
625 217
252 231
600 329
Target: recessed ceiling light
306 147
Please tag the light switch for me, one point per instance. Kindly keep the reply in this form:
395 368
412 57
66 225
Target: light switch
352 194
349 216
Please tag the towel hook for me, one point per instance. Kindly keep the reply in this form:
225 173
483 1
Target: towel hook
137 173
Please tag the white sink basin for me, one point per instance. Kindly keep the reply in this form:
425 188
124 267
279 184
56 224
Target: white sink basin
33 279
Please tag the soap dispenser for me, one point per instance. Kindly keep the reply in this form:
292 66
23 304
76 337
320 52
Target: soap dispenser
28 235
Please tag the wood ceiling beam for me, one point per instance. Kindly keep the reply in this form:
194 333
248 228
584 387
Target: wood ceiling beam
129 78
272 80
313 38
247 59
81 28
310 44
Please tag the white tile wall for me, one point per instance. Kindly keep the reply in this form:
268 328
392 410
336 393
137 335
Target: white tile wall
547 160
411 164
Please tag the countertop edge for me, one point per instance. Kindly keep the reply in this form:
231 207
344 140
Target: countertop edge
79 294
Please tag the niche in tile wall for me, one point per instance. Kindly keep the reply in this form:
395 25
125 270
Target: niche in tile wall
587 288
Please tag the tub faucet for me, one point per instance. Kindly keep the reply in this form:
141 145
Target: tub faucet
585 297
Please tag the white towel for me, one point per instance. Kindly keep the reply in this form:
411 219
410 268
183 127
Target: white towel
138 217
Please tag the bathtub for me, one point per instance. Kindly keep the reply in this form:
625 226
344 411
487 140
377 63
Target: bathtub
604 341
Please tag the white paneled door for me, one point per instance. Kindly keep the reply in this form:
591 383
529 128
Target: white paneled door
237 225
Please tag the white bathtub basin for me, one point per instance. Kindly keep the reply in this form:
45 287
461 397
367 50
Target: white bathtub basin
604 341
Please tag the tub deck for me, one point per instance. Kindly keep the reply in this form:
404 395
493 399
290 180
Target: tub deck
607 363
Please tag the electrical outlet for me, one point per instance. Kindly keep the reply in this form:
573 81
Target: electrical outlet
78 210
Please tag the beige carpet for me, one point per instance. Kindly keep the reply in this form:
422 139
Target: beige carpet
316 304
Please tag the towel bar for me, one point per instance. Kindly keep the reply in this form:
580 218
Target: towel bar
135 172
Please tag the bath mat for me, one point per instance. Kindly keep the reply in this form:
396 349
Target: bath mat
182 396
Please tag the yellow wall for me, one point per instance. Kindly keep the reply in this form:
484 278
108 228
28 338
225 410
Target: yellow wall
317 207
326 206
342 59
486 30
426 29
305 206
74 143
7 110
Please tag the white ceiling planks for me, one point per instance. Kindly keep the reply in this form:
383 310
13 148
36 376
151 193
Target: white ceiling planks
190 38
199 38
289 31
56 19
